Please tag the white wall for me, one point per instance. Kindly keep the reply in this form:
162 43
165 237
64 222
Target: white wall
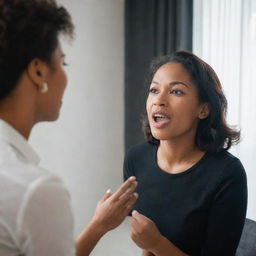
86 145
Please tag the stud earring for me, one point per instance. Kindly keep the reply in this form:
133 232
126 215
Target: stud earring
43 88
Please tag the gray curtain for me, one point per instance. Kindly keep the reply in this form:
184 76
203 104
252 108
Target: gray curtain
152 28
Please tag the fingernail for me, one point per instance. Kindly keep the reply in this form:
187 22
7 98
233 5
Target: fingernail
109 191
134 212
132 178
136 195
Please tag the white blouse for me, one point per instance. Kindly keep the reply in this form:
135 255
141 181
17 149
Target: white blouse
35 212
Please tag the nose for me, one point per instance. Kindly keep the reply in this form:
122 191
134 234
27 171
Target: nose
160 100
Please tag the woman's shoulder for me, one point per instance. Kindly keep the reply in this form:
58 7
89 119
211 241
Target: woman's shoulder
226 164
223 158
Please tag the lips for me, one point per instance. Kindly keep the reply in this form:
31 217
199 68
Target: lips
160 119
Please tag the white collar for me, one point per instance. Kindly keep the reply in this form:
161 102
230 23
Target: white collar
13 137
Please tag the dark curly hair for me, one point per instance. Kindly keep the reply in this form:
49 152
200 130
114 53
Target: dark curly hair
28 29
213 133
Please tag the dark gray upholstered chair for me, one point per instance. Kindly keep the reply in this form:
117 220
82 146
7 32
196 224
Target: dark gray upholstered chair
247 245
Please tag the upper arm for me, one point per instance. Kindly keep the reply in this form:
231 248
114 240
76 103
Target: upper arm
227 214
46 221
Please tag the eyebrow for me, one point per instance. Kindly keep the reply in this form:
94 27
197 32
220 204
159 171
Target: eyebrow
173 83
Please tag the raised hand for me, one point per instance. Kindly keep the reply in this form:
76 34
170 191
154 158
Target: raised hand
113 208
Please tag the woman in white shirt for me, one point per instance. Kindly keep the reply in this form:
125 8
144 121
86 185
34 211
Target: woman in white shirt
35 214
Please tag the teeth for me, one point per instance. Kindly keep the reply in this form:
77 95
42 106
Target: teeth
159 115
160 118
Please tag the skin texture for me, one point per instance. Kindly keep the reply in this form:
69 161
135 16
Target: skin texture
27 105
172 94
49 104
110 213
147 253
146 235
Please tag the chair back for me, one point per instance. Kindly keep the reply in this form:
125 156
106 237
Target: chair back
247 244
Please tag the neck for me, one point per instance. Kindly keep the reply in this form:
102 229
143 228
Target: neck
177 155
23 127
18 110
175 152
18 119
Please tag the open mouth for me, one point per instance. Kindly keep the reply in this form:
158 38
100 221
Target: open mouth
160 118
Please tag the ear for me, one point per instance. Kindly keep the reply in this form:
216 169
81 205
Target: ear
204 110
37 71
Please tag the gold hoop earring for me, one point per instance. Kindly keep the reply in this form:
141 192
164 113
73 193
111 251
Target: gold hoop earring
43 88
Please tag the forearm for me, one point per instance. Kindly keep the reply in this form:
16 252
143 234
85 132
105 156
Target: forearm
88 239
166 248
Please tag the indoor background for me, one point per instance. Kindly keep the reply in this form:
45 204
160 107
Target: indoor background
108 61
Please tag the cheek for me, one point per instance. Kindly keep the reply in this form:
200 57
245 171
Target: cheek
189 107
63 78
148 106
61 81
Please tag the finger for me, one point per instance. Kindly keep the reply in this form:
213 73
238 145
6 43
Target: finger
107 195
130 189
128 195
135 215
134 226
124 187
126 209
139 217
133 223
129 204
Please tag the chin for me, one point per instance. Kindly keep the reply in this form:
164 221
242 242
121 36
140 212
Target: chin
54 118
161 136
165 134
49 118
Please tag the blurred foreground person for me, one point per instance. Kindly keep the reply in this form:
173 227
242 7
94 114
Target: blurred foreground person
35 213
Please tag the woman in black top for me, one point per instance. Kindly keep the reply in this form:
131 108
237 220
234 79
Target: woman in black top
193 193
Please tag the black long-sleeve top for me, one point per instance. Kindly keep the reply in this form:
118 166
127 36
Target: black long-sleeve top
201 210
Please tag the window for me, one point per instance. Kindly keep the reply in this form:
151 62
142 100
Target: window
224 35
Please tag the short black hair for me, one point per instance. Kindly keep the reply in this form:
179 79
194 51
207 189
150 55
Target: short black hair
28 29
213 133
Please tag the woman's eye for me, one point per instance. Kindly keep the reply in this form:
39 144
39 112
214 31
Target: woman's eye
177 92
65 64
153 90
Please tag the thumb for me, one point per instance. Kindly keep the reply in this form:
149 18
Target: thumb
136 215
139 217
107 195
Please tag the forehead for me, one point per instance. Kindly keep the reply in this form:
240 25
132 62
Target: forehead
173 72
